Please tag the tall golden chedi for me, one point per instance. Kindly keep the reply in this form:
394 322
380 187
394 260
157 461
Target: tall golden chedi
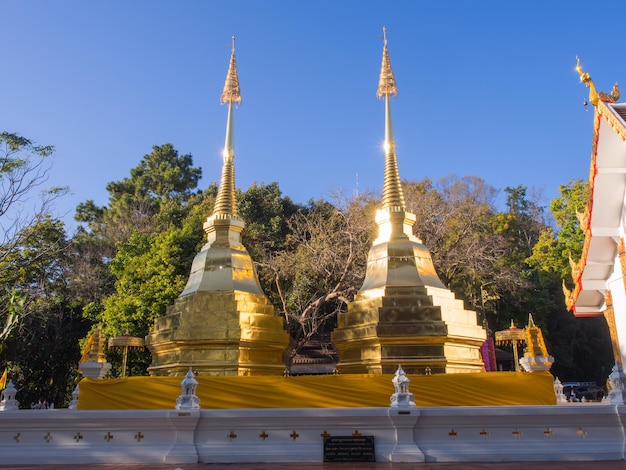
403 314
222 323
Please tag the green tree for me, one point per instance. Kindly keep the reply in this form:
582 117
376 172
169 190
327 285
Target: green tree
581 346
455 222
24 169
553 251
520 226
153 198
321 264
151 270
41 350
266 213
36 304
136 250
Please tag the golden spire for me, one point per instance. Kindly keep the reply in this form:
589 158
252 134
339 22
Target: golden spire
393 197
535 344
594 95
231 92
386 82
94 351
225 203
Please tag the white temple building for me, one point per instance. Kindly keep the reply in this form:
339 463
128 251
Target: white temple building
599 274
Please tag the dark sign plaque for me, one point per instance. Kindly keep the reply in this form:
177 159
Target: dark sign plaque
349 449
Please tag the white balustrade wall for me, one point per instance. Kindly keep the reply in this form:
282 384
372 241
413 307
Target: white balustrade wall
593 431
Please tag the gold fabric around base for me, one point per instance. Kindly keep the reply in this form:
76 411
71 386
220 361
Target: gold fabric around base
331 391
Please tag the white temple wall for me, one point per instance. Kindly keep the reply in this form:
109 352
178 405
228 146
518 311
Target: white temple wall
592 431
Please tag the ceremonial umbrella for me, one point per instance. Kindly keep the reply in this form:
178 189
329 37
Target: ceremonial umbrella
512 336
126 342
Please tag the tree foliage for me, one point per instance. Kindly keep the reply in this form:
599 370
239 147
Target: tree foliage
130 259
552 252
41 351
458 222
321 264
581 345
151 270
23 171
140 246
40 323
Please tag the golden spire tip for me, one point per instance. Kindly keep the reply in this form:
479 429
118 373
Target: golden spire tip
231 93
386 82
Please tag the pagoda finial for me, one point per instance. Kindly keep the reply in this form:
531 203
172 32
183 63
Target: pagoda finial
386 81
225 202
231 92
594 95
393 196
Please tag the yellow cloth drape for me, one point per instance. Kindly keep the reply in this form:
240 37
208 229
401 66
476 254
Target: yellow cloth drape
329 391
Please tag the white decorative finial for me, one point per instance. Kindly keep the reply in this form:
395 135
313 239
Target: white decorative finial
7 398
188 399
74 402
402 398
617 382
558 391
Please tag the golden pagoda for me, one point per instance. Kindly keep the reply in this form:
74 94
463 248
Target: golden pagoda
403 314
222 323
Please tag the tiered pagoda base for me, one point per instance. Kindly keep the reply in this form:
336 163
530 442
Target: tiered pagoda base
218 333
425 329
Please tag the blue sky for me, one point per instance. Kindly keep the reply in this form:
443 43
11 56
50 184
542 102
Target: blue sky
487 88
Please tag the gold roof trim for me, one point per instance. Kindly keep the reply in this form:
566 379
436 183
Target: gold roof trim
602 110
570 295
614 122
609 315
231 92
621 254
584 220
594 95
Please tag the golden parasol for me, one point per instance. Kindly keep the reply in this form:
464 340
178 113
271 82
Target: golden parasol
512 336
126 342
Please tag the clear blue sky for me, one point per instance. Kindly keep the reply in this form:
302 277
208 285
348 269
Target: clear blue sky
486 88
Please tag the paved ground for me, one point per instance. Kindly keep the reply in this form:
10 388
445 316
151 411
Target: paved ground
595 465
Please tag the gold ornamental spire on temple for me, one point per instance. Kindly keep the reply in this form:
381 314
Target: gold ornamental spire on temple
386 82
225 203
393 197
594 95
